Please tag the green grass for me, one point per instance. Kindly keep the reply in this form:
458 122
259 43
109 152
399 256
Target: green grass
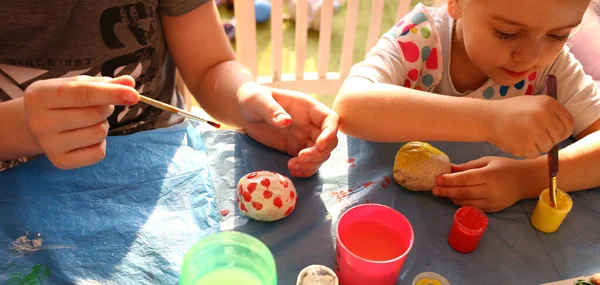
264 48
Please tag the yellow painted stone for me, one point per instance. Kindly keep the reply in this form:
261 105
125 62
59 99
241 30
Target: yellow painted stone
418 164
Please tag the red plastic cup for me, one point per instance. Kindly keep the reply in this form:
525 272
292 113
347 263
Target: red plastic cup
372 243
467 229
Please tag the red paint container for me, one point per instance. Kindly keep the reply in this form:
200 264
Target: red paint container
467 229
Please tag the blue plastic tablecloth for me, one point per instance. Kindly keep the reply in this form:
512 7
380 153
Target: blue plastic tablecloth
510 252
126 220
130 218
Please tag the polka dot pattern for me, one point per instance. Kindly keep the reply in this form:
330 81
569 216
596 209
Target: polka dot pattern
425 32
520 85
289 211
410 34
418 18
257 205
532 76
529 90
427 80
413 74
407 29
488 93
267 194
410 51
425 52
252 187
503 90
432 61
278 202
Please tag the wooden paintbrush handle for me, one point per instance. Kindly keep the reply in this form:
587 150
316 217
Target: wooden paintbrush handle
175 110
553 153
158 104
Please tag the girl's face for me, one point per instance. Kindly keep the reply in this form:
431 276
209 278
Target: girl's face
507 39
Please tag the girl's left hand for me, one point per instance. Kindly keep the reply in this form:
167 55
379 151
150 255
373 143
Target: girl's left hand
489 183
291 122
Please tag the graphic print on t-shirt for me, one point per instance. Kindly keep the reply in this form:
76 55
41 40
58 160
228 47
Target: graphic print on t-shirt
128 32
138 19
66 38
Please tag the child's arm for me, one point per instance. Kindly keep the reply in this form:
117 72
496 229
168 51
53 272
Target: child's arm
494 183
388 113
16 139
288 121
373 107
206 62
579 164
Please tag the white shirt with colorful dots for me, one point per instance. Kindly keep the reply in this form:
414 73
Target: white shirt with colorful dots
415 53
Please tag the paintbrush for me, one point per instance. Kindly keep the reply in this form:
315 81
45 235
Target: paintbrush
553 153
169 108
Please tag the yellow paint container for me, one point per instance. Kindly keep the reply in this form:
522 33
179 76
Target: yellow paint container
548 219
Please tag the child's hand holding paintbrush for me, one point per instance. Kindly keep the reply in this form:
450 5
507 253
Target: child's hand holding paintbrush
553 204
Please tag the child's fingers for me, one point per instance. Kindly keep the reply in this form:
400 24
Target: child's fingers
67 141
468 177
80 94
73 118
327 140
264 105
566 119
460 192
307 168
312 154
478 163
81 157
73 94
125 80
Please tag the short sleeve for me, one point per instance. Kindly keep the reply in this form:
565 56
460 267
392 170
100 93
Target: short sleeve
576 91
179 7
409 54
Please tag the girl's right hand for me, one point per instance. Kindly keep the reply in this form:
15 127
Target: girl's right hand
67 116
528 126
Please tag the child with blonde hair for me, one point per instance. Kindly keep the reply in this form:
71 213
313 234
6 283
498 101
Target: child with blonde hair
488 57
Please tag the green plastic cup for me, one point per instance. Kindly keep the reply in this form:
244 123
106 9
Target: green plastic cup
228 258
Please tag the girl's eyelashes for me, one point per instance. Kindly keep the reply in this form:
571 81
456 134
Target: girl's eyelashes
505 36
559 38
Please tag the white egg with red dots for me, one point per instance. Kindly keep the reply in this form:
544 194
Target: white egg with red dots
266 195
